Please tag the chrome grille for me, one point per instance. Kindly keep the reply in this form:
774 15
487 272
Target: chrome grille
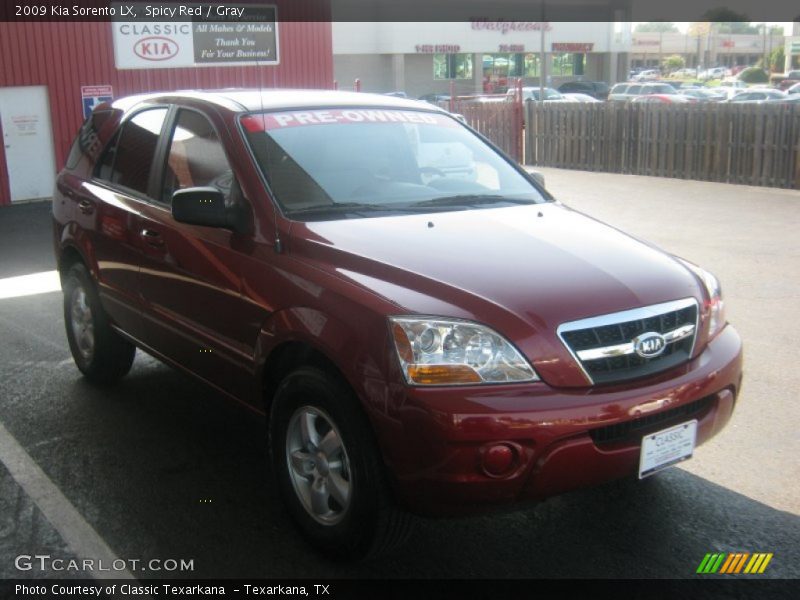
606 346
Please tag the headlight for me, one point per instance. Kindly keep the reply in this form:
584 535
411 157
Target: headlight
436 351
715 305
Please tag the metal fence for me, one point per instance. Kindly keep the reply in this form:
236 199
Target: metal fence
754 144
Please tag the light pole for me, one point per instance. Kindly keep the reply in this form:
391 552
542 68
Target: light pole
542 64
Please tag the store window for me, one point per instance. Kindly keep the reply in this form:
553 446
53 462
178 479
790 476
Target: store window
452 66
497 68
563 63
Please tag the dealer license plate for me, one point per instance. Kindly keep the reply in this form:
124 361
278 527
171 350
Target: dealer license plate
666 448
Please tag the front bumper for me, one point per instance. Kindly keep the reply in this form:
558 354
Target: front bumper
561 439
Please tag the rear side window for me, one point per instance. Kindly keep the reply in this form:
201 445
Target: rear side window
87 143
196 157
129 157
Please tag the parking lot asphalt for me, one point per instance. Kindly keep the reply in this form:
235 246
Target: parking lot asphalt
161 467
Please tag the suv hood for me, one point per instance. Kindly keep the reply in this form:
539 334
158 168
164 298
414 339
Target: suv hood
521 270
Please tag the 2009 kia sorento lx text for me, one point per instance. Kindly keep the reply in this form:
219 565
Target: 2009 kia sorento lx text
425 327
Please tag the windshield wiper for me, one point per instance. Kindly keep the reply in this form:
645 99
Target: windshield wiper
471 200
349 207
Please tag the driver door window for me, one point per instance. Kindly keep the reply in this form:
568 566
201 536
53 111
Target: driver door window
196 157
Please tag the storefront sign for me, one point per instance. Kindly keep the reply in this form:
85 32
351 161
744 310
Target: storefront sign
511 48
92 95
205 41
571 47
437 48
645 42
509 26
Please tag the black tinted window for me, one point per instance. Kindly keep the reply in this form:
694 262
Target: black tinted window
105 167
87 143
196 157
129 159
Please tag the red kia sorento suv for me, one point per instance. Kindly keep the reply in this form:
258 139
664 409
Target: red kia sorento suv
426 329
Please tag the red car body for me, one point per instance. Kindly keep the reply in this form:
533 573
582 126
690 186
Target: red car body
286 290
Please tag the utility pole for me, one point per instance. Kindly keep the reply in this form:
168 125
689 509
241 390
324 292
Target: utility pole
542 64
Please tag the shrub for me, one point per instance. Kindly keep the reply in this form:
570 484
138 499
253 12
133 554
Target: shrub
754 75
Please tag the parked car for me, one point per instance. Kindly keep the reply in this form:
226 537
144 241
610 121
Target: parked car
758 95
794 89
533 93
419 340
736 83
791 78
595 89
663 99
713 73
684 73
726 93
789 99
435 98
625 92
584 98
647 74
703 95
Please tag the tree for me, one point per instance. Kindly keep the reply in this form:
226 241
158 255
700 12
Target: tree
699 28
725 20
656 27
724 15
754 75
777 60
674 62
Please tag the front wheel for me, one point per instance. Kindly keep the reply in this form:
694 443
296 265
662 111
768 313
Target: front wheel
99 352
329 470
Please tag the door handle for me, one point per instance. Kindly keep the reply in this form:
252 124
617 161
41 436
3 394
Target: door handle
152 237
86 207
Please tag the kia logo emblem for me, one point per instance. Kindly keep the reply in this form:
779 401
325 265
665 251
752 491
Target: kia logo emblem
649 345
156 48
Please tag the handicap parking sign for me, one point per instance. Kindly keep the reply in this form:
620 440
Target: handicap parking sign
92 95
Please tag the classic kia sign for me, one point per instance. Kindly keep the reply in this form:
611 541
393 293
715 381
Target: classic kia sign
156 48
246 37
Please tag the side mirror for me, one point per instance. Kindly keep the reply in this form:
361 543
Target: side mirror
537 176
202 206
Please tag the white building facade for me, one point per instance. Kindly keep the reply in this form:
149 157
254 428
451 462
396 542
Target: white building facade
477 56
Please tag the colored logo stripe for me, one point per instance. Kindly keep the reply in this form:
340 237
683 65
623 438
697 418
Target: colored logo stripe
734 562
758 563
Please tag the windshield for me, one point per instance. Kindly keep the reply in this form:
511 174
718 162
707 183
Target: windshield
346 163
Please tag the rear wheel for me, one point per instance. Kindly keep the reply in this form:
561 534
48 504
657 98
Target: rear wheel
329 470
99 352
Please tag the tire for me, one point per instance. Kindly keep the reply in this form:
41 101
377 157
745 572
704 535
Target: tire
99 352
329 471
